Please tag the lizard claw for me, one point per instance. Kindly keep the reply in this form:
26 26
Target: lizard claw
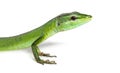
46 61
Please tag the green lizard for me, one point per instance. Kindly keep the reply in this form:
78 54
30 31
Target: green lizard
32 38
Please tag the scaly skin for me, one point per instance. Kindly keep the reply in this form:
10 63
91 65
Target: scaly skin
32 38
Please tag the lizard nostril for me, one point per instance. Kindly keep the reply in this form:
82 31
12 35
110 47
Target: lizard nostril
90 16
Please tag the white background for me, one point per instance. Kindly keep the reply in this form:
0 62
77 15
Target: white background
91 48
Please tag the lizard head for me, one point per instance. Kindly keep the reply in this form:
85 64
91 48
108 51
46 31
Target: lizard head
69 21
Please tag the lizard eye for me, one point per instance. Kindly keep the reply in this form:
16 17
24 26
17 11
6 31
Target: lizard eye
73 18
58 24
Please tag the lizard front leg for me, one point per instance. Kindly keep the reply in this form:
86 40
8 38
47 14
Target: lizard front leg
37 52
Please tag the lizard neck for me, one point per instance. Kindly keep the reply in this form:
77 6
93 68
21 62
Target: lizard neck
48 29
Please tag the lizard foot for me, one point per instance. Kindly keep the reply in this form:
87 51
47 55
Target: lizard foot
46 62
46 54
